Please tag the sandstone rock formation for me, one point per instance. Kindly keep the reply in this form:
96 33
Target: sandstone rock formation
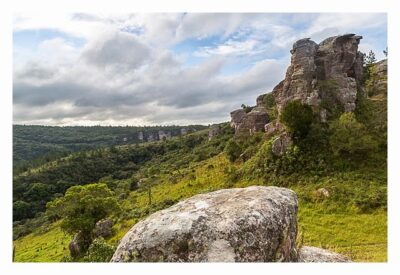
309 254
328 73
249 123
103 228
214 131
281 144
377 82
253 224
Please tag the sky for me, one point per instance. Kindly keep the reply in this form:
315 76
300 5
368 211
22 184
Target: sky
161 69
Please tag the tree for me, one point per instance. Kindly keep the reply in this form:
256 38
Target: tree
246 108
233 150
297 117
21 210
370 58
385 52
82 207
349 137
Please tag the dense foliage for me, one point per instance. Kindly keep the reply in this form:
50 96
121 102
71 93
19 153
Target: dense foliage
297 117
35 145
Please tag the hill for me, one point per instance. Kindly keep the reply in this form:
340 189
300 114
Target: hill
35 144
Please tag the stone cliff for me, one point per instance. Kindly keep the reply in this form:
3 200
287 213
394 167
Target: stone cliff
325 76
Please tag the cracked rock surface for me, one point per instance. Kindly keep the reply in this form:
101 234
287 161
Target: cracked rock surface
253 224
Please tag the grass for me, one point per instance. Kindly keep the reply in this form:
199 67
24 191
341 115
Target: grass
50 246
333 223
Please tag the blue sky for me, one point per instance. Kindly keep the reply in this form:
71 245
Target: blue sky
137 69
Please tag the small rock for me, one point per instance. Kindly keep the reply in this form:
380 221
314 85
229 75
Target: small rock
281 144
103 228
310 254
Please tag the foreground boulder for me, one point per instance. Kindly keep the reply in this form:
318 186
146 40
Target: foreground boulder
309 254
253 224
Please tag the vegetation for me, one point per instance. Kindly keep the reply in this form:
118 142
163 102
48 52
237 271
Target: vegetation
350 138
81 208
297 117
34 145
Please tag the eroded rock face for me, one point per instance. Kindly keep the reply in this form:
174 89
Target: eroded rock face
377 82
281 144
334 63
253 224
214 131
251 122
310 254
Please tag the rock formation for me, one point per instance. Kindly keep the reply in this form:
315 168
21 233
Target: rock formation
323 73
326 76
249 123
214 131
253 224
281 144
377 82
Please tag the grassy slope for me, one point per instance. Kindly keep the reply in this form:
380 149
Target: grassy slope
328 224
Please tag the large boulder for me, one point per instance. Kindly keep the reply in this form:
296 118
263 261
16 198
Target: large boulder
236 117
310 254
253 224
251 122
323 73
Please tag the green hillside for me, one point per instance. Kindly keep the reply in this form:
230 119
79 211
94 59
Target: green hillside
337 168
36 144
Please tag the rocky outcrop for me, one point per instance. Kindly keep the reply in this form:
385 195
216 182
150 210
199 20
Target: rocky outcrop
325 72
273 127
253 224
103 228
249 123
309 254
214 131
281 144
377 82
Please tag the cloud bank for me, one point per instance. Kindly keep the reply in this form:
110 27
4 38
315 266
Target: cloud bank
148 69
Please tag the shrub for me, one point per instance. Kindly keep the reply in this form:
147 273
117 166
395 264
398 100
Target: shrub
269 100
349 137
99 251
233 150
297 117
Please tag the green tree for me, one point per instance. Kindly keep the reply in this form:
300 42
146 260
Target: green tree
82 207
349 137
233 150
21 210
297 117
385 52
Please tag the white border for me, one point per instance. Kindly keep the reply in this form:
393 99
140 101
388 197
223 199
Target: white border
40 6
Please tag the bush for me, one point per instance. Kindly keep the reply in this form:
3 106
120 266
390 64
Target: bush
350 138
233 150
297 117
99 251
